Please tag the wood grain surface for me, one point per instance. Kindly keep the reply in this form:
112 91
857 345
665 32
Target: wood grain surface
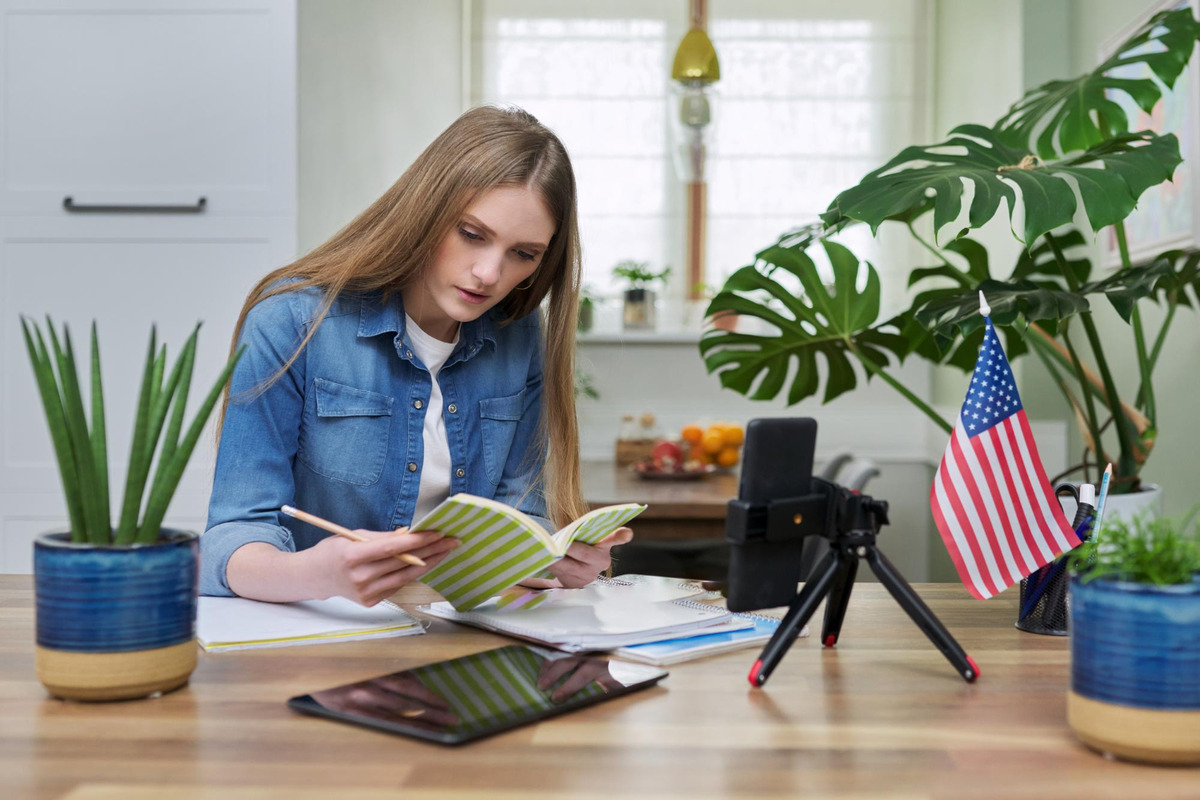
881 715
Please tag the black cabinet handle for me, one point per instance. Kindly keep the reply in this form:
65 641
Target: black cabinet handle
75 208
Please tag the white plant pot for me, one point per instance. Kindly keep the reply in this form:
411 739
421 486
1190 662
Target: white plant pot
1124 506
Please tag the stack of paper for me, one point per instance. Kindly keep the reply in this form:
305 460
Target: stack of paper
234 623
604 615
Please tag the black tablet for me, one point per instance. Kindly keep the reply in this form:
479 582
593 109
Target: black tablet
452 702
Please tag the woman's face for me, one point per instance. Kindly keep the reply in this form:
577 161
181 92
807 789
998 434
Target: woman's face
496 245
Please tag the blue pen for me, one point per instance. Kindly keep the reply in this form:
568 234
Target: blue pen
1103 497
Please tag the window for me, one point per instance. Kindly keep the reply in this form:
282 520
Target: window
812 96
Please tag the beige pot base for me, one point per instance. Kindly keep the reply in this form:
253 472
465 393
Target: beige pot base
115 676
1137 734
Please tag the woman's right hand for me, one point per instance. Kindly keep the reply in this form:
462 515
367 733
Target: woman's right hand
369 572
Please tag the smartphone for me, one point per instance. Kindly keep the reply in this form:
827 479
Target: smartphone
777 463
464 699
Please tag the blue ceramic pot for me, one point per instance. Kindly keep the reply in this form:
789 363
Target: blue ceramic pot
115 621
1135 669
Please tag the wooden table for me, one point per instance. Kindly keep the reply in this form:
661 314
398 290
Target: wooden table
881 715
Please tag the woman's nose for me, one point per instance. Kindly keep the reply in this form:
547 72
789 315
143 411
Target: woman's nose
487 269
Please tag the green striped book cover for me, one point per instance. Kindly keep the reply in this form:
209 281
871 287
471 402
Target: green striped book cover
502 546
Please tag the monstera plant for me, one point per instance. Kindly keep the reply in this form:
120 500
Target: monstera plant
1062 141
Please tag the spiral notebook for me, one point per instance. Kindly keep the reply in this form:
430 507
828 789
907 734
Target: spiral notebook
704 642
604 615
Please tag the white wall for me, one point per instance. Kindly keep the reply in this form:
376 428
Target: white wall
379 79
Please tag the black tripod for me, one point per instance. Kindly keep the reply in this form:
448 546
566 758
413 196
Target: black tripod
833 578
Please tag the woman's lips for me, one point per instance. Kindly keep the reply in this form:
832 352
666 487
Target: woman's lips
471 297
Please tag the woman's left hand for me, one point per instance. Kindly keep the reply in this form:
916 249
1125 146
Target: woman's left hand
582 564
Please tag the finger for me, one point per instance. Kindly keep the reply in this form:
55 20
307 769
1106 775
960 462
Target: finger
437 548
406 686
617 537
595 558
579 679
553 671
392 545
541 583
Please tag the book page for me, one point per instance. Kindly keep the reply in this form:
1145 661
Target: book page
596 524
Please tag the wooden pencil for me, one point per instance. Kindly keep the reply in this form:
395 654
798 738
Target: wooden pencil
333 527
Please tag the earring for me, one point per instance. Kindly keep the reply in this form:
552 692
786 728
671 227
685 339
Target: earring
525 286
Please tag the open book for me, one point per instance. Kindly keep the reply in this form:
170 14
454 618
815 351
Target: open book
502 546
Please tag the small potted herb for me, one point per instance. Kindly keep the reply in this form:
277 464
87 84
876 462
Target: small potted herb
1135 640
116 606
587 310
639 311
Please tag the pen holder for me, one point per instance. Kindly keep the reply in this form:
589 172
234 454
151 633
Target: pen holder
1050 611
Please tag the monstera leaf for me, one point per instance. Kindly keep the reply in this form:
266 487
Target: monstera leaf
940 346
958 313
1040 265
1110 178
1182 275
835 322
1074 115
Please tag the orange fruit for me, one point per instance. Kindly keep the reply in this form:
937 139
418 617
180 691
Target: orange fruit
734 435
712 442
728 457
691 434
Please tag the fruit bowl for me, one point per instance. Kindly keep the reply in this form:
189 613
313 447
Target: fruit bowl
685 471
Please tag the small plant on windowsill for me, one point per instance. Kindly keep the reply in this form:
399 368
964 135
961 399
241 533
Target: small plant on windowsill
587 310
639 311
1135 610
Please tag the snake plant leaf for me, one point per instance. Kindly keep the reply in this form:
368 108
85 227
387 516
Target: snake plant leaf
957 313
138 466
834 322
77 428
99 435
56 419
164 489
1064 116
1110 178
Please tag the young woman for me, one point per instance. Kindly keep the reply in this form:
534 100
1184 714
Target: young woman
402 361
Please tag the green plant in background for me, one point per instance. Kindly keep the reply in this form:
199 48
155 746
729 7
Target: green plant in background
638 273
82 449
1062 139
1160 551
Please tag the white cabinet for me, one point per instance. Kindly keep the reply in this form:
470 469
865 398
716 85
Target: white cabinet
171 126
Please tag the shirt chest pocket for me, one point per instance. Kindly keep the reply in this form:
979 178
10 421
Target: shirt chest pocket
498 418
345 432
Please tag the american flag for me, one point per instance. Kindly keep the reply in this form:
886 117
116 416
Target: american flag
991 499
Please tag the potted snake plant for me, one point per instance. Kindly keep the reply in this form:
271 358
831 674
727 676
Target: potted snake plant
116 604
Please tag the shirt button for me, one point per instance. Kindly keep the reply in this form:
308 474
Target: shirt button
408 353
453 409
417 404
412 466
460 472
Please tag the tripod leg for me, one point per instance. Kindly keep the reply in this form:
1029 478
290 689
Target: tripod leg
799 612
839 598
915 607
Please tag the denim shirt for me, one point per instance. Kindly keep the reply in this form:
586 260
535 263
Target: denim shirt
340 435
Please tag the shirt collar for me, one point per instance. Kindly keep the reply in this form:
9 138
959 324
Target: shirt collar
377 317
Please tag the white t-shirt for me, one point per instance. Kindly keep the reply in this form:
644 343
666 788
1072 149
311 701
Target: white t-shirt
435 472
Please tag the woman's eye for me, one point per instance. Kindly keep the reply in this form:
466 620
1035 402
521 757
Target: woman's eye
469 235
521 254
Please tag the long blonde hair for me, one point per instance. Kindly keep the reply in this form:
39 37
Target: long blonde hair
388 246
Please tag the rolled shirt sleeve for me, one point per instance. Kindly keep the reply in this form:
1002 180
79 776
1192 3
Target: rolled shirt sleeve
259 439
